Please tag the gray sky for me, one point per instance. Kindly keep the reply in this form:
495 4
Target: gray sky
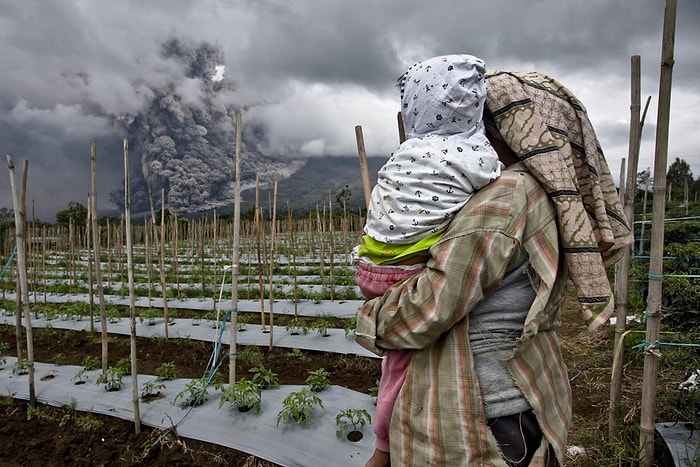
308 71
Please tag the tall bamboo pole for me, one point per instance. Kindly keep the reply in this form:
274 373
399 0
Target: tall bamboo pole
623 266
18 203
161 261
273 235
96 249
331 246
91 292
651 355
258 240
132 295
234 256
364 170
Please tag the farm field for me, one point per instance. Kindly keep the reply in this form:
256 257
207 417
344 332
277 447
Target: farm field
305 276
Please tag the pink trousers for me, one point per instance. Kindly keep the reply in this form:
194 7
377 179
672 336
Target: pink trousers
373 282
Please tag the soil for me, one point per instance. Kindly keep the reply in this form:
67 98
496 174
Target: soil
58 436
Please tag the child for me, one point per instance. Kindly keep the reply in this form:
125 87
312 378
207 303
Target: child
445 158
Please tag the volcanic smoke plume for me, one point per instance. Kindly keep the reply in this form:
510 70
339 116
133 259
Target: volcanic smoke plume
184 139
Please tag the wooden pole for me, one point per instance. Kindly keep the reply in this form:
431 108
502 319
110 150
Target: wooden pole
132 295
91 291
622 281
161 261
651 354
258 240
23 292
235 255
273 237
96 250
366 184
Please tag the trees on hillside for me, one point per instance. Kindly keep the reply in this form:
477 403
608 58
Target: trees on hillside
75 212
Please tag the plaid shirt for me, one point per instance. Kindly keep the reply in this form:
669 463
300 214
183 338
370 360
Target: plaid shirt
438 418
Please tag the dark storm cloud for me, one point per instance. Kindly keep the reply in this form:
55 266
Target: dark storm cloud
303 72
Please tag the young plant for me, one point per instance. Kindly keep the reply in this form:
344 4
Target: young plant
296 353
151 389
80 377
112 379
374 390
251 354
113 315
197 389
264 378
322 324
3 351
150 315
166 372
351 422
244 395
318 380
124 366
59 359
296 326
243 320
350 325
91 363
298 406
21 367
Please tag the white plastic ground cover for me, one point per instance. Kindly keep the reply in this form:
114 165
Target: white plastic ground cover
682 442
336 341
337 309
288 444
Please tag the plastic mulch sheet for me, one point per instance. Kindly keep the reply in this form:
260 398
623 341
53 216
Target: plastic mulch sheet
288 444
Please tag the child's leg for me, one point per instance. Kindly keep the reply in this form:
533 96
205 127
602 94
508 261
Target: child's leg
394 368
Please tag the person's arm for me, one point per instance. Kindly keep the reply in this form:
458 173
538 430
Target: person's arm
466 266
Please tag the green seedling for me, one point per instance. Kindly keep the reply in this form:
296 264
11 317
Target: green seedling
124 366
21 367
166 372
350 325
264 378
318 380
296 353
298 406
322 324
198 390
297 326
244 395
112 379
91 363
351 420
3 352
151 388
150 315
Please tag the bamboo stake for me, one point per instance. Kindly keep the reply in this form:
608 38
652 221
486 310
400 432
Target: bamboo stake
651 355
258 235
147 232
294 259
331 246
132 295
622 280
175 263
364 170
161 261
91 292
23 292
234 256
273 235
96 249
